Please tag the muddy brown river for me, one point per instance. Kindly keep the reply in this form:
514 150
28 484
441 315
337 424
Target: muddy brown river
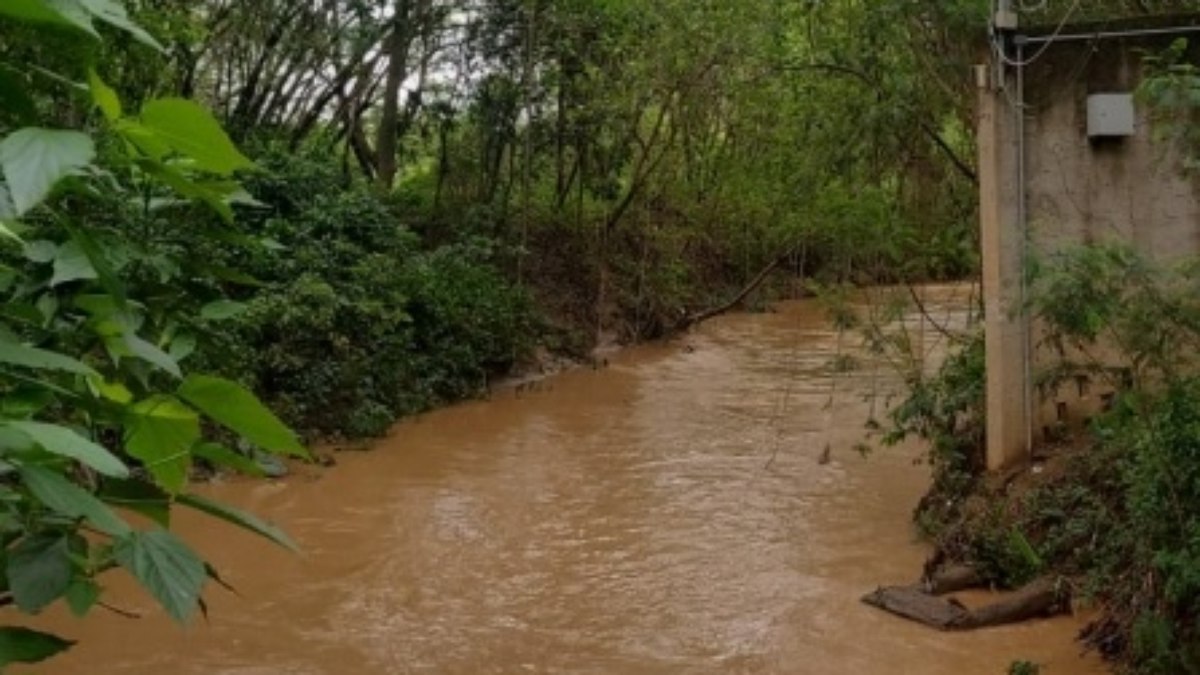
666 514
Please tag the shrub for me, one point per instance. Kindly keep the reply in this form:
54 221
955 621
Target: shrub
947 411
358 324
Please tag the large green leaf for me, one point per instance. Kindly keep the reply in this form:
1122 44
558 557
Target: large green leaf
39 11
222 310
233 406
82 595
182 346
141 497
78 14
71 263
12 440
75 14
39 571
40 251
22 645
113 13
99 262
110 391
104 96
33 160
229 274
161 432
63 496
25 401
39 359
240 518
217 200
165 567
132 345
191 130
62 441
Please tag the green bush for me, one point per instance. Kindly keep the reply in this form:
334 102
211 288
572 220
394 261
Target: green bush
1159 438
947 411
358 325
1024 668
99 417
1120 517
1123 517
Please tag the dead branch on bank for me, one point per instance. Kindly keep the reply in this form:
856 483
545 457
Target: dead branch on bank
700 317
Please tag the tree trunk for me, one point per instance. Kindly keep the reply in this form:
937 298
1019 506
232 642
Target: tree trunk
387 141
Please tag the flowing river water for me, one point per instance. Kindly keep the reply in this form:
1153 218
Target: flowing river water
669 513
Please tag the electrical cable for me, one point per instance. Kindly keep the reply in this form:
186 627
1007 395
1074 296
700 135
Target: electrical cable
1022 63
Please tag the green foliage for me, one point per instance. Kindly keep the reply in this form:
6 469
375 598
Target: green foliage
620 164
1158 439
1024 668
91 412
1171 89
239 518
947 411
166 567
229 404
1002 553
1119 516
191 131
76 14
1109 295
357 325
22 645
34 160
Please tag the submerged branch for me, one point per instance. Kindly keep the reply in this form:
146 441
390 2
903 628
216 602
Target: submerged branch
740 298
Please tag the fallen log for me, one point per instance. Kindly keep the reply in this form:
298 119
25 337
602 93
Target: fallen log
1042 598
914 604
952 579
1039 599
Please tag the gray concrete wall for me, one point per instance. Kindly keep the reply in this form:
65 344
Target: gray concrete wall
1081 191
1078 191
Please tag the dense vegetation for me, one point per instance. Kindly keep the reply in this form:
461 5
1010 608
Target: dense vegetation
358 209
445 186
1113 513
96 411
354 210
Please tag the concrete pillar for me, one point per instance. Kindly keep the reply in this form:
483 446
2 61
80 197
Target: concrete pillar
1003 247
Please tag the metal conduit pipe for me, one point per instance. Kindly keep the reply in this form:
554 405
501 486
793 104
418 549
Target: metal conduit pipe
1023 221
1103 35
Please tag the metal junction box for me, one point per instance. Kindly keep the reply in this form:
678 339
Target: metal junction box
1110 116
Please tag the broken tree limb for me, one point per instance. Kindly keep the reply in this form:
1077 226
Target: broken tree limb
1041 598
755 283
